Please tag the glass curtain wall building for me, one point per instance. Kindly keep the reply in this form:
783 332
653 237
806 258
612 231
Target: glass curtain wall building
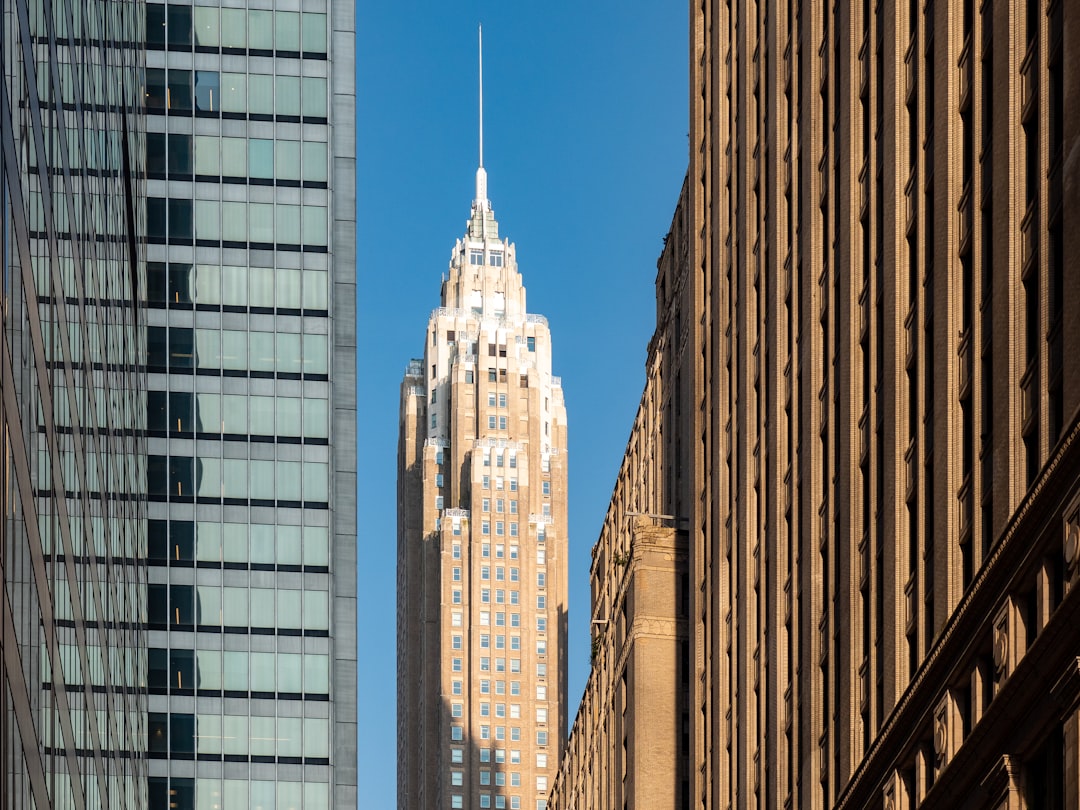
251 404
72 405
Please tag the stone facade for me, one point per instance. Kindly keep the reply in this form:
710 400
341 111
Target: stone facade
883 205
482 542
628 746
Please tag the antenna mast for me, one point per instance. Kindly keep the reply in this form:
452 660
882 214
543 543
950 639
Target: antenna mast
481 175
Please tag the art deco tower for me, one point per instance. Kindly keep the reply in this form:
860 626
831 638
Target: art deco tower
481 542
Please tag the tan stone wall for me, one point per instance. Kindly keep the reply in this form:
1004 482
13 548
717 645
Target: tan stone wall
884 365
627 747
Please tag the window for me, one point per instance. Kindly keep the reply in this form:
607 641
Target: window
547 489
456 597
485 527
456 777
485 800
456 574
485 665
513 529
500 619
499 528
456 802
530 342
485 709
456 688
456 733
485 777
455 665
485 755
491 371
541 738
514 573
541 602
485 687
486 481
491 399
485 595
515 687
455 551
541 624
485 549
515 642
500 550
485 572
513 485
541 579
455 710
485 640
439 502
491 423
469 376
515 620
485 618
455 642
502 423
499 462
485 503
513 503
513 552
439 477
476 257
496 258
456 756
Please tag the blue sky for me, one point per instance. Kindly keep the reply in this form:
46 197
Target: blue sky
585 145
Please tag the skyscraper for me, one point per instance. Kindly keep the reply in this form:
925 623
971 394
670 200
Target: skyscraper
72 407
481 542
251 404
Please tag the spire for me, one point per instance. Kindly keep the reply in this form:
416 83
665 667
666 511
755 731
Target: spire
481 175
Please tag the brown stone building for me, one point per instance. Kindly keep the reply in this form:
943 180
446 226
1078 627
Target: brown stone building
882 389
630 742
884 210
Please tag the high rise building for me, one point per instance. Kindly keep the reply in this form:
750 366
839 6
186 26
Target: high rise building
883 535
481 542
251 404
72 408
629 746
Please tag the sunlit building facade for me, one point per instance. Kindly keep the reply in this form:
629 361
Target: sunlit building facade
883 546
482 543
629 744
72 409
251 394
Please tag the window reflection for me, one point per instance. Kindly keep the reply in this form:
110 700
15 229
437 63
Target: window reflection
207 91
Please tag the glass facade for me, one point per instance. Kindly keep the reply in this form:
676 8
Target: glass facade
251 378
73 707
